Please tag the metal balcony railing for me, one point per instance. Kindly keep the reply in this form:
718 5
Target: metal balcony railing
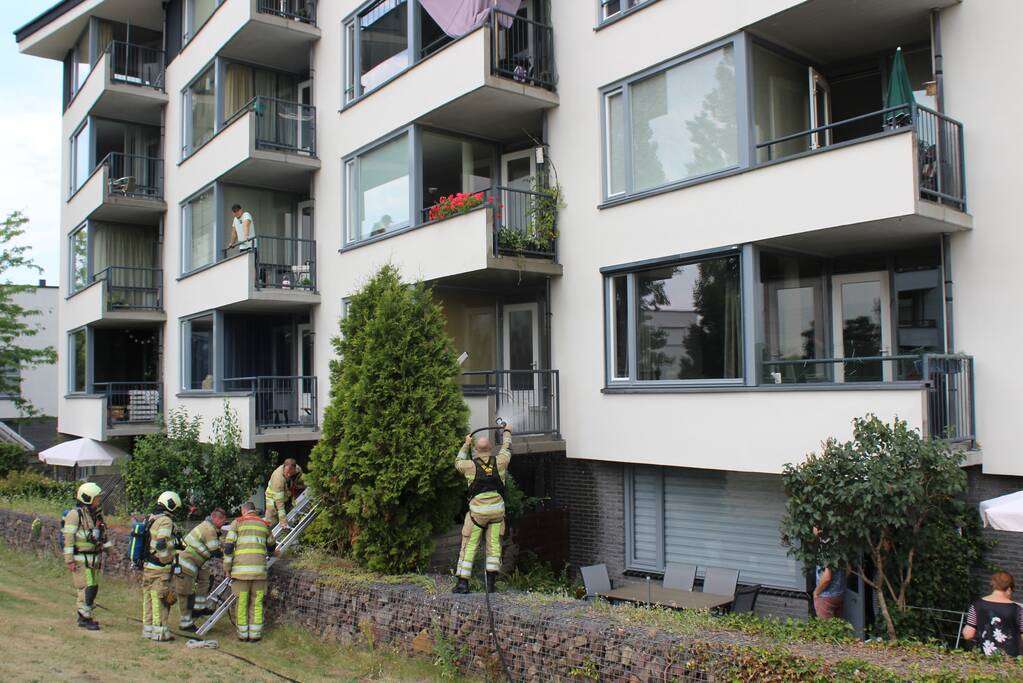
281 401
522 49
299 10
132 403
132 289
281 262
948 377
136 64
940 161
281 124
133 175
529 399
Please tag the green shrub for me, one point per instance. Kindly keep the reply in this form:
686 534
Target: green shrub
12 458
384 466
19 485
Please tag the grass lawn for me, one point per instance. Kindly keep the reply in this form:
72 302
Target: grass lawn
41 641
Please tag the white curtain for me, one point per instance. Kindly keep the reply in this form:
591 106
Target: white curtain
458 17
115 244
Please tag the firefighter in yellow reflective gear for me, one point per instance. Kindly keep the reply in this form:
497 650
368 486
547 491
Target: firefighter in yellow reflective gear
283 488
485 475
192 583
248 544
158 568
85 540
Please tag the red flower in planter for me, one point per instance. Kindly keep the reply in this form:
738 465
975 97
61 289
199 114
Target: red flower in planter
455 204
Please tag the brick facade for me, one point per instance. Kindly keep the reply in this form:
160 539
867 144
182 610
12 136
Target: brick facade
1007 553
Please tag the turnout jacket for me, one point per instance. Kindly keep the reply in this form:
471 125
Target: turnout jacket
78 526
488 502
201 543
281 489
162 546
248 544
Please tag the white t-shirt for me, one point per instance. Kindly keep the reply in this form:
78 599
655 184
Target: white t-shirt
239 226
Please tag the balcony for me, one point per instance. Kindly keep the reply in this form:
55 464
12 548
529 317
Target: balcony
530 400
113 409
118 295
491 83
265 273
123 188
267 143
126 83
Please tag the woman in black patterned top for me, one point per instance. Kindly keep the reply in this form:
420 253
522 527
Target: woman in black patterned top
995 621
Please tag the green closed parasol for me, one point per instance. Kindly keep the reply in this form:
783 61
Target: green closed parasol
900 93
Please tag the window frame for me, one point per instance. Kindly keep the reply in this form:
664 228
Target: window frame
604 18
216 351
74 182
186 228
82 227
188 146
188 32
740 56
72 365
630 270
351 23
351 198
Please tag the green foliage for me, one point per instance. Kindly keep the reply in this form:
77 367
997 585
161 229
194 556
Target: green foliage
587 670
541 228
888 497
12 458
445 657
325 533
516 503
383 468
22 484
537 576
791 630
205 475
16 320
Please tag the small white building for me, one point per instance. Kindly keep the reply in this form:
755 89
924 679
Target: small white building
39 383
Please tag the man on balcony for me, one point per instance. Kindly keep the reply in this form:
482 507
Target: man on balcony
241 225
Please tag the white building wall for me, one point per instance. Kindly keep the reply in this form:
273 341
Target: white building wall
39 384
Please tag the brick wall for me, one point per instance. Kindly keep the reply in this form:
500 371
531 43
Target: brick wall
1007 553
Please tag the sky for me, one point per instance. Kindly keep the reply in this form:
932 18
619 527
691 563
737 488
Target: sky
30 142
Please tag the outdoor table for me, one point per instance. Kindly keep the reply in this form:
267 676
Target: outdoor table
657 594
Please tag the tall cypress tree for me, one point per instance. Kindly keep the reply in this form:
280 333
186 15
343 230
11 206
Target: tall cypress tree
382 469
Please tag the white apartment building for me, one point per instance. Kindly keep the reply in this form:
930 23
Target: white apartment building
754 247
39 383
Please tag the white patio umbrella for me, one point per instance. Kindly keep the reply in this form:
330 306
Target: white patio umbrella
81 453
1004 513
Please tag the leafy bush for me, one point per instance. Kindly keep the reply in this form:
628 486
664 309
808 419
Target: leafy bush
384 466
205 475
19 485
12 458
533 575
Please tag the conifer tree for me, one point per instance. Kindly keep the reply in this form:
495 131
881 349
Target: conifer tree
383 468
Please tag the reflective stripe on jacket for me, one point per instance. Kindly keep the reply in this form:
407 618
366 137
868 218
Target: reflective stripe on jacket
200 544
78 523
249 541
278 489
489 502
162 529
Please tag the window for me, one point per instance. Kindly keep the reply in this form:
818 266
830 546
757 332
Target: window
197 12
81 156
610 8
82 62
679 322
10 382
377 46
200 110
673 125
243 82
197 347
77 359
781 103
349 66
452 165
79 259
379 189
198 246
792 290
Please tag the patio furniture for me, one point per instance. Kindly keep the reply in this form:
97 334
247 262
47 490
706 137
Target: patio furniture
656 594
596 580
745 599
679 576
720 581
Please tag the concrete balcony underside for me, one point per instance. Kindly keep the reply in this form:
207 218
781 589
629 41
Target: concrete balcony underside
458 250
231 285
107 96
95 200
88 306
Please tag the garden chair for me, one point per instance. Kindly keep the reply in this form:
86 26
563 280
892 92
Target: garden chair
745 599
596 580
720 581
679 576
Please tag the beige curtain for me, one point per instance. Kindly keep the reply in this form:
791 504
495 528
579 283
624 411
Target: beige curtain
237 88
116 244
106 34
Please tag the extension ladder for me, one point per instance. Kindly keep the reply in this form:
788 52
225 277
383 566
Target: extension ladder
299 517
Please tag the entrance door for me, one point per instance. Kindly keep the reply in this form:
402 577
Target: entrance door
305 117
521 394
854 608
861 311
305 369
820 108
517 172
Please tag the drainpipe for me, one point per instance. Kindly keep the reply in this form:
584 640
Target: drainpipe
939 72
946 239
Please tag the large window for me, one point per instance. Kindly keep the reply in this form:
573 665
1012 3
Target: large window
200 110
79 258
273 213
197 351
781 103
198 246
81 156
197 12
378 183
452 165
679 322
77 360
673 125
794 319
377 46
243 82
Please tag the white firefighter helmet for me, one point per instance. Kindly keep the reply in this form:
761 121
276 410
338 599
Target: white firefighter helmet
87 493
169 500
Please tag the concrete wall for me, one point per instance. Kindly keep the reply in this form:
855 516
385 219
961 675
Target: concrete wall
39 384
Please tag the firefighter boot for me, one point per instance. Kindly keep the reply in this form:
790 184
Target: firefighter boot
461 587
491 582
87 623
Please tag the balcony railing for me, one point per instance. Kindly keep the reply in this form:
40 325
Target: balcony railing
133 289
941 164
948 377
281 124
281 262
282 402
528 399
133 175
136 64
299 10
132 403
522 49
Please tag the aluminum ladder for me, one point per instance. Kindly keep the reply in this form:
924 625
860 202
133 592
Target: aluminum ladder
299 517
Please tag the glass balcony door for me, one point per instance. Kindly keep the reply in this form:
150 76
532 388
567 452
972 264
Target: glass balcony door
861 314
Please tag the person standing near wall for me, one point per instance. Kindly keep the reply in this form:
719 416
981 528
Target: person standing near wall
248 544
202 544
242 226
829 590
157 570
85 539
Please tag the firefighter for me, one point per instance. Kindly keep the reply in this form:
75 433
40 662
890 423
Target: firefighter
192 584
248 544
85 540
485 475
284 487
157 593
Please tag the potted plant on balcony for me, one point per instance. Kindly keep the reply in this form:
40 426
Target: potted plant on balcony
455 205
541 228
